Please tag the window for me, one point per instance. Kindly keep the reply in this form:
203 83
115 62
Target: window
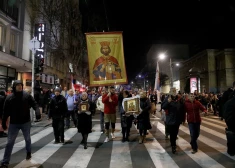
13 44
1 37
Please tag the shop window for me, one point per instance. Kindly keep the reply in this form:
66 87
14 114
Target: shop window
11 72
3 70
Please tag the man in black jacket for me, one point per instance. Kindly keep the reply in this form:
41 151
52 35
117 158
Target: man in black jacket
229 116
58 109
17 107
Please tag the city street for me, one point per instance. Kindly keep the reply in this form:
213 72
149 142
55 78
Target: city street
156 152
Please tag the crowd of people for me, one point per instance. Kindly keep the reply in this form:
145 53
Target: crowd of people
64 106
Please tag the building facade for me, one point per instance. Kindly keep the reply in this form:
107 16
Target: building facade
15 60
211 70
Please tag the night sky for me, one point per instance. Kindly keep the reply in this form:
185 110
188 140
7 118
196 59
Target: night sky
199 24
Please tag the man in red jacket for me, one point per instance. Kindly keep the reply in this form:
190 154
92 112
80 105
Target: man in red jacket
110 101
192 108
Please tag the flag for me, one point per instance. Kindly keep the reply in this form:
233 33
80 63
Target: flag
157 83
157 79
72 84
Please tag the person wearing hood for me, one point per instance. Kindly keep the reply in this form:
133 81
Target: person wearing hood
2 100
192 108
17 106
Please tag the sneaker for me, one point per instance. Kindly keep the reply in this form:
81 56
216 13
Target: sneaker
28 156
194 151
112 135
106 139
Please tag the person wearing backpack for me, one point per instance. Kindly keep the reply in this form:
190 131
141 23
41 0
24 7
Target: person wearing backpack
229 117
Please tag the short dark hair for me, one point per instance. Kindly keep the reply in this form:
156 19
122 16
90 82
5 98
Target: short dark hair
112 87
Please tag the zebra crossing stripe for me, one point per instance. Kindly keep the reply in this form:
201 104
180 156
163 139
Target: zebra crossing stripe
158 154
215 145
120 156
200 158
39 157
213 125
20 145
82 157
214 120
213 132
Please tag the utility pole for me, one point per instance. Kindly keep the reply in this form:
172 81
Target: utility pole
34 44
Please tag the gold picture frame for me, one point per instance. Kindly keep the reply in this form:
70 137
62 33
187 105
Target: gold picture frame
83 107
132 105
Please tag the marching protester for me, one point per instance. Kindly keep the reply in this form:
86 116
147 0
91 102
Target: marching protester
84 125
192 108
17 107
110 101
126 119
143 123
72 102
174 117
100 107
57 110
229 117
2 100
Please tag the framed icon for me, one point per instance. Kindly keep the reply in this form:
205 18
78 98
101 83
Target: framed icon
132 105
83 107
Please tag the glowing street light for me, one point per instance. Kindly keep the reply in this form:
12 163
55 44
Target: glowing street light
162 56
177 64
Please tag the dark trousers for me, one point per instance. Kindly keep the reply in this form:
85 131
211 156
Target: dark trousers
101 120
69 114
173 132
194 129
230 142
58 127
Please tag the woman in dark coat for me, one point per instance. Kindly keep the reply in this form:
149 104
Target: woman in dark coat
143 123
126 120
84 125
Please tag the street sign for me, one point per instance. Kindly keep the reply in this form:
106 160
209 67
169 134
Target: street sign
34 44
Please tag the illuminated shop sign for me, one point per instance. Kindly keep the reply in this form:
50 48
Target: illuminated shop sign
40 36
193 84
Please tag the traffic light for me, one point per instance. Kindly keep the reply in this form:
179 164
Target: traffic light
40 64
36 70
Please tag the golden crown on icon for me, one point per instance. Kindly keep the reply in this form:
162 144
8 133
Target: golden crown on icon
104 43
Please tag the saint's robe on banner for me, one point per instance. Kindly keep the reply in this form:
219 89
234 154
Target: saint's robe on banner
106 59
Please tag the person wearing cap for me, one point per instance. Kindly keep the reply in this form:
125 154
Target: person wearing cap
58 109
17 107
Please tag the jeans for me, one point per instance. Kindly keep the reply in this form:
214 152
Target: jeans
194 129
12 134
101 120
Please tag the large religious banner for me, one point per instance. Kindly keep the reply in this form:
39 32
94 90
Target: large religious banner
106 59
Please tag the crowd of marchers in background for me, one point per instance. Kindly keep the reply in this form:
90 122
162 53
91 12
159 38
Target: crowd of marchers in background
19 110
